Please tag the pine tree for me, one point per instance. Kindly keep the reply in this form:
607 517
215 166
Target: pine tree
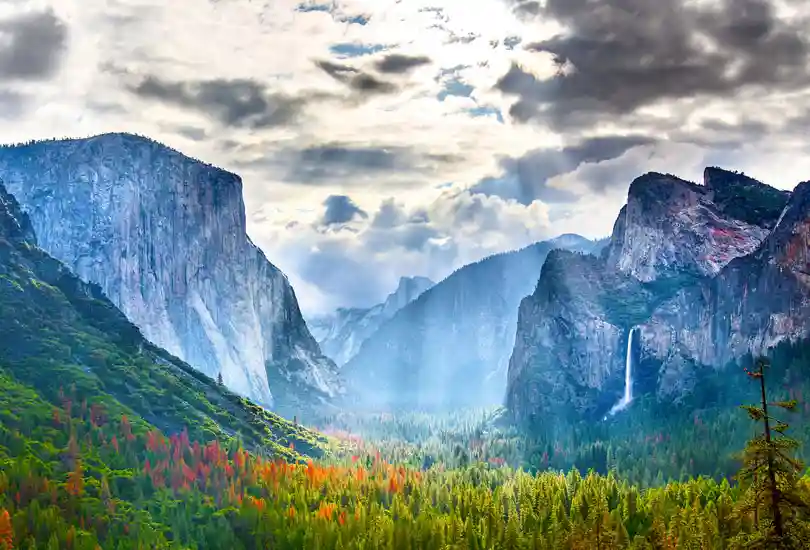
219 378
772 475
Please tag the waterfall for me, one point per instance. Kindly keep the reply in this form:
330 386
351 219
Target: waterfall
628 376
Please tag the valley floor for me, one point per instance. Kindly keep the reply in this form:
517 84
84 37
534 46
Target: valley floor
80 480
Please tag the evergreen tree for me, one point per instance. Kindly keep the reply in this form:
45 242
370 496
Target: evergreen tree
219 378
772 475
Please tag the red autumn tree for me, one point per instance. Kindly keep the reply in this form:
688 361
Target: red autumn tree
6 531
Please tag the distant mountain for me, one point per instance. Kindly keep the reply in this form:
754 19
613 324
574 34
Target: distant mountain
62 341
341 334
705 273
164 236
450 347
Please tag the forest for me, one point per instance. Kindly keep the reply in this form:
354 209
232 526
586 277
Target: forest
75 476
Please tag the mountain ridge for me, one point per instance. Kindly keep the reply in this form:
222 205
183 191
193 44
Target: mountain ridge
676 263
457 335
165 236
341 334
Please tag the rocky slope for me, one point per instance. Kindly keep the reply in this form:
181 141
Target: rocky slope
61 336
696 267
450 347
164 237
341 334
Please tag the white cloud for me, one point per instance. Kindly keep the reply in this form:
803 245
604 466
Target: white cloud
434 148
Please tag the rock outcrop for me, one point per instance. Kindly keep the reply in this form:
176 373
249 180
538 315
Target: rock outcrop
164 237
450 347
341 334
754 303
700 269
670 227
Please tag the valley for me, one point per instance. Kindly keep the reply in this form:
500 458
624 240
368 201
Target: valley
161 388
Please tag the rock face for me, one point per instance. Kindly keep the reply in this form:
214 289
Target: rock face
15 225
671 227
341 334
58 332
754 303
164 236
707 272
450 347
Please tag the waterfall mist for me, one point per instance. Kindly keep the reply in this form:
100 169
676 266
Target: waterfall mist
628 376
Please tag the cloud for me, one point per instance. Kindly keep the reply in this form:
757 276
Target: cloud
239 102
528 8
330 164
347 164
237 85
335 10
340 209
622 55
356 79
526 179
192 133
400 63
11 104
361 267
31 45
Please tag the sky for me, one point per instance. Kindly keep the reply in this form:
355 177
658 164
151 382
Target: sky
386 138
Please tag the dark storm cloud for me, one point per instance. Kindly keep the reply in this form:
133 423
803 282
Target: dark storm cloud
355 79
327 163
369 158
192 133
399 63
239 103
348 164
620 55
31 45
340 209
531 7
526 178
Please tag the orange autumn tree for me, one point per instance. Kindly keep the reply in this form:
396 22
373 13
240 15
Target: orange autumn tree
75 482
6 531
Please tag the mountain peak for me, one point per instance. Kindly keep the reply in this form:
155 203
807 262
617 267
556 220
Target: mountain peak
715 178
569 240
744 198
655 187
341 334
408 290
127 145
671 226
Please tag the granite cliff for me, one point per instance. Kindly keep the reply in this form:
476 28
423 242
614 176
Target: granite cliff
706 272
164 237
341 334
450 347
60 335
